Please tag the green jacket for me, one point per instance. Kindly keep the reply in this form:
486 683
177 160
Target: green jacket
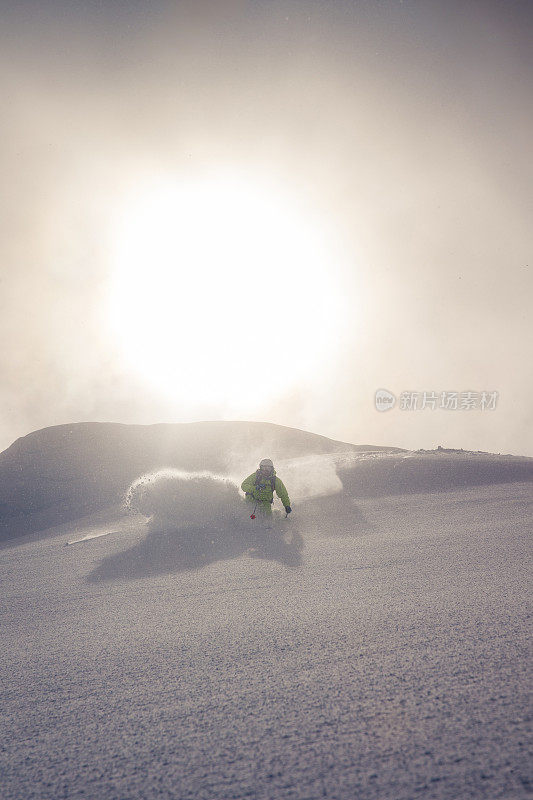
249 486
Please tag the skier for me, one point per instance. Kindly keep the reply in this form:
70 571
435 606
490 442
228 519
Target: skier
259 488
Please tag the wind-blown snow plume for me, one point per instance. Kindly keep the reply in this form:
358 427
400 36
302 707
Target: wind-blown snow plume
310 476
174 498
305 477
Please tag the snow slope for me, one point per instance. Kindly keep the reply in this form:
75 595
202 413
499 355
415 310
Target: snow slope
374 645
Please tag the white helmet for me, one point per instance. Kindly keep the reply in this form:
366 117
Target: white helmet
266 462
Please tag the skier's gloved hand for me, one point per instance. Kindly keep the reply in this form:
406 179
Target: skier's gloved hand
288 509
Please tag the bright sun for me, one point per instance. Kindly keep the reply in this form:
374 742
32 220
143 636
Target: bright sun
221 292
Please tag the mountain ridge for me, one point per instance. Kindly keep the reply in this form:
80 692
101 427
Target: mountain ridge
62 473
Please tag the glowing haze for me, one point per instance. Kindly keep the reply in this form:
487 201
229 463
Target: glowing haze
201 279
267 210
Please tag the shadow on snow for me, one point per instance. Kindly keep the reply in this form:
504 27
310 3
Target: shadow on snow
168 551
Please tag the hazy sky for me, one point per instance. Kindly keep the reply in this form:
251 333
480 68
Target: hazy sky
267 210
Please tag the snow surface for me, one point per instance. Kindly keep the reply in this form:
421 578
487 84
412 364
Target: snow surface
370 646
